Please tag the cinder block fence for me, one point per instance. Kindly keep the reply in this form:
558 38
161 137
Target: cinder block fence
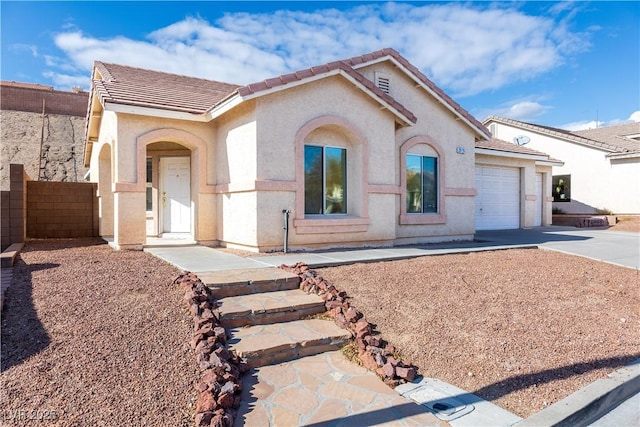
61 209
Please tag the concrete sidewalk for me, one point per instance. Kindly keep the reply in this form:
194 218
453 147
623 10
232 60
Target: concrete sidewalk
619 248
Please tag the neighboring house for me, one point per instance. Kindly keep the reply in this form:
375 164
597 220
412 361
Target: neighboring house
364 151
601 170
42 129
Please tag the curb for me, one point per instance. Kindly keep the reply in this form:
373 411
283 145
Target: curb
591 402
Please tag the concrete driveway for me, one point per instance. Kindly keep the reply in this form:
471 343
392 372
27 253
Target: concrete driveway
615 247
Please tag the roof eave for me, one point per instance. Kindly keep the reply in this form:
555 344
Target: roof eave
615 156
236 99
573 138
511 154
483 133
165 113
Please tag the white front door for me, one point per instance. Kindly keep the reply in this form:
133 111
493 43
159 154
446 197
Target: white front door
175 197
539 201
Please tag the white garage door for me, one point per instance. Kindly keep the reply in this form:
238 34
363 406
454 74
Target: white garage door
538 219
498 200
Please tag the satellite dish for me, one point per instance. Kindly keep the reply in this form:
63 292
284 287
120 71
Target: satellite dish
521 140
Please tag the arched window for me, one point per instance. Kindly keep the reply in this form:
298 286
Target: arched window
331 166
421 164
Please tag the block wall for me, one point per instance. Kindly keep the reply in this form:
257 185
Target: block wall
61 209
13 203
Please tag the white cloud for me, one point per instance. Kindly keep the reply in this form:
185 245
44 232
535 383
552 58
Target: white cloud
525 110
592 124
466 49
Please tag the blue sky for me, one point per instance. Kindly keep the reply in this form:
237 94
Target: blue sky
563 64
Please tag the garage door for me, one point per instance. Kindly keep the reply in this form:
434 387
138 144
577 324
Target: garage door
498 199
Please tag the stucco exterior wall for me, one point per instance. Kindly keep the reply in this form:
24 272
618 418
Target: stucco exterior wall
280 117
450 135
596 181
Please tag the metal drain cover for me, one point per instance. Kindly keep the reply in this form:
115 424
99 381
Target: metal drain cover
436 400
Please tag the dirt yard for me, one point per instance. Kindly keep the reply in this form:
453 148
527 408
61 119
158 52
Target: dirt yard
521 328
627 223
92 336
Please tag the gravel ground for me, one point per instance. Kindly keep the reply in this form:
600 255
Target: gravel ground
627 223
522 328
93 336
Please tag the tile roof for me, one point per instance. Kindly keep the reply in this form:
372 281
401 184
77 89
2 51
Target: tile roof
607 138
125 85
500 145
301 75
366 58
615 135
136 86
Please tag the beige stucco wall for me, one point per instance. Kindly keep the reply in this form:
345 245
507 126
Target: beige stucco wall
122 131
596 181
280 117
457 170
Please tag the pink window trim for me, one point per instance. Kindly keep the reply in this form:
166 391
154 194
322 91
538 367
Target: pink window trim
334 224
427 218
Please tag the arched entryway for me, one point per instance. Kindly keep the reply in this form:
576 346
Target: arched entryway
169 206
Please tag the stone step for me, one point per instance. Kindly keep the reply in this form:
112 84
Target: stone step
262 345
268 307
248 281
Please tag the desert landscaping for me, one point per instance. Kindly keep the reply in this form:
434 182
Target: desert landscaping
97 336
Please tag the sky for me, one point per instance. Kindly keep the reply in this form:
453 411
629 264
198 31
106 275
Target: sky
573 65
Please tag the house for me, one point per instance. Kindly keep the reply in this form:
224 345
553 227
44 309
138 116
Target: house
363 151
601 170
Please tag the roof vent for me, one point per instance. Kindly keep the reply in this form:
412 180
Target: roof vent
383 81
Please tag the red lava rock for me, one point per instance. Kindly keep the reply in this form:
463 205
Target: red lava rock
362 345
389 370
368 361
226 400
341 321
408 374
352 315
217 421
372 340
223 353
220 334
362 328
206 402
380 359
205 329
203 419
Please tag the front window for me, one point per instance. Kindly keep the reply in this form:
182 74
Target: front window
562 188
149 185
422 184
325 180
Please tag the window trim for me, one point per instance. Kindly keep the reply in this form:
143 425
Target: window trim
422 190
428 217
325 224
324 182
